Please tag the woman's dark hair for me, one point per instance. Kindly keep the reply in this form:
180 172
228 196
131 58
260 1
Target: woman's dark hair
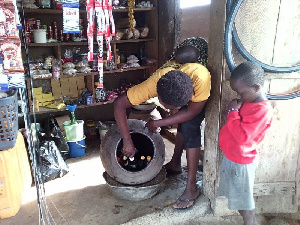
175 88
187 54
250 73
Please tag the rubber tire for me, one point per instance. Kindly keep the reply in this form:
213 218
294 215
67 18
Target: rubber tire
108 150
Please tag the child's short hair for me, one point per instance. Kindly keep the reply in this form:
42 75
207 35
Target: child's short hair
250 73
175 88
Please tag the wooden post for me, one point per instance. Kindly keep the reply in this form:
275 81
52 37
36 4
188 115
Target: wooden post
212 115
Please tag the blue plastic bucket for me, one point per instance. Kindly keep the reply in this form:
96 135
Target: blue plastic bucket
77 148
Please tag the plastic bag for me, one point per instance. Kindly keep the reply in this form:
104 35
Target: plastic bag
53 132
52 164
51 148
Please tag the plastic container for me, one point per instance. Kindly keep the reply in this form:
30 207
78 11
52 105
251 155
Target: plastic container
104 127
15 178
8 120
77 148
40 36
74 132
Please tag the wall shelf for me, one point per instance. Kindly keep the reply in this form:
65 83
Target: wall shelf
84 43
43 110
144 17
60 11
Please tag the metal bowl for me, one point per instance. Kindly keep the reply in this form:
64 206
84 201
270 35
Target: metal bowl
136 192
145 107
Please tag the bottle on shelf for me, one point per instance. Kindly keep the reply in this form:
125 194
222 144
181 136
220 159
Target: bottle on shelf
56 69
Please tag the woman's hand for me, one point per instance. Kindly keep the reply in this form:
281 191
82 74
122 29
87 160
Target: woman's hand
151 125
128 148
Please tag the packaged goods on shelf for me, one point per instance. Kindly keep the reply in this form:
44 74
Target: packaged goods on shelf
8 26
78 79
10 50
37 90
55 105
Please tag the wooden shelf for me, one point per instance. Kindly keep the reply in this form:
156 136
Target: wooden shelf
96 73
135 9
128 69
82 43
60 11
43 110
134 40
147 16
47 11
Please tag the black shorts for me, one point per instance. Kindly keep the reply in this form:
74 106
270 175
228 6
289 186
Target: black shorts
191 130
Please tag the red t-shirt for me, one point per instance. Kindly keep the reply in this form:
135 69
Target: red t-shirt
244 130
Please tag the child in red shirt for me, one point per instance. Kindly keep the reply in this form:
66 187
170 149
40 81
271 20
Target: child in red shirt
248 119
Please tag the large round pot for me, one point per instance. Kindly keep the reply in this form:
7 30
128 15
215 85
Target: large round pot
146 143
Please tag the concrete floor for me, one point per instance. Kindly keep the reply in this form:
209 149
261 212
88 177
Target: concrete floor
82 197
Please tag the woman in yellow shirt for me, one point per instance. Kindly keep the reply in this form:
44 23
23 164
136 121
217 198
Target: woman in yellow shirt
179 84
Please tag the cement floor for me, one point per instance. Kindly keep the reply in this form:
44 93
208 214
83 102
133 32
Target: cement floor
82 197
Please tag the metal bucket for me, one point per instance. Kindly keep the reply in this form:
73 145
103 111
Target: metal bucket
136 192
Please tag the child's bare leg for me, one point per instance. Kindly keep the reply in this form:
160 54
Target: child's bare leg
248 217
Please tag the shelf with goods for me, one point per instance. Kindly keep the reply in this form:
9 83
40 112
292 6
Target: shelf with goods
130 46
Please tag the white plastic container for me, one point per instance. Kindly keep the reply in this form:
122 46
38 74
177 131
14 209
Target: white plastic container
74 132
40 36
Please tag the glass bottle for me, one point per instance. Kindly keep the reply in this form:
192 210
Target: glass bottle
125 161
142 163
56 69
148 160
132 164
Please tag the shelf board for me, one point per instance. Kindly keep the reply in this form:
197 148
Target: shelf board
135 9
47 11
43 110
134 40
82 43
128 69
96 73
60 11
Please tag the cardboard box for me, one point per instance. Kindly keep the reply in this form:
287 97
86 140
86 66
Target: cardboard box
64 82
80 82
55 83
73 83
65 92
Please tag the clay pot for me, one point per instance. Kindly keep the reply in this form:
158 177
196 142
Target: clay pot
146 143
